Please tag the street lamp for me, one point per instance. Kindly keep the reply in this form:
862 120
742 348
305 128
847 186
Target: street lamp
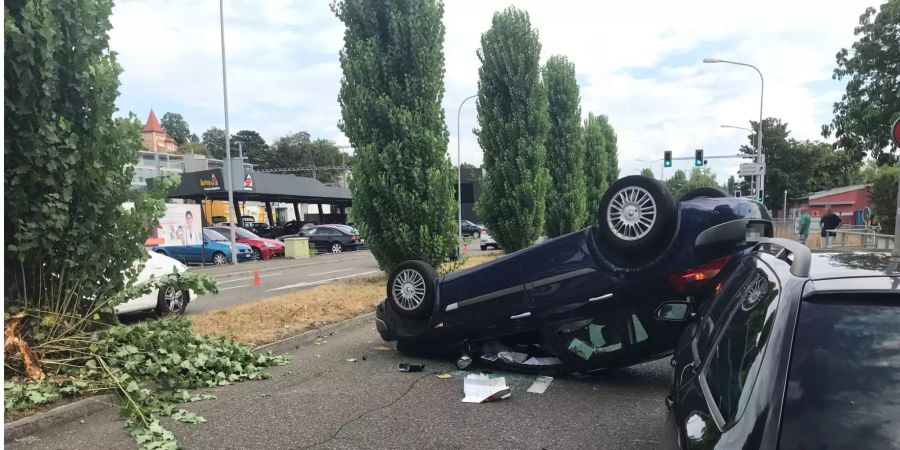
459 167
735 126
759 151
228 174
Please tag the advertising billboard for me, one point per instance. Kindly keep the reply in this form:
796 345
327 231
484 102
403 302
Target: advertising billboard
181 225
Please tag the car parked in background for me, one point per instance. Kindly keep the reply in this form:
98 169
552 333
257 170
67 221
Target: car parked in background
487 241
795 351
216 249
262 248
333 238
164 300
471 229
610 295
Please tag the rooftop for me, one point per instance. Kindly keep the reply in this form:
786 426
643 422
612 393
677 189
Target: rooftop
837 190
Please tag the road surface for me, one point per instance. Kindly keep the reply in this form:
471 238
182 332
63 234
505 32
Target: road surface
320 400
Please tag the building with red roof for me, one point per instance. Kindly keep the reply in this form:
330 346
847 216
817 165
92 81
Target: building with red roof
155 139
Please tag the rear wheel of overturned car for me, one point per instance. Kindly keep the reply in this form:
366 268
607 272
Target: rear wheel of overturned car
709 192
410 288
635 213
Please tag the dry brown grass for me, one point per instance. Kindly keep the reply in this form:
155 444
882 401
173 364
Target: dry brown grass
278 317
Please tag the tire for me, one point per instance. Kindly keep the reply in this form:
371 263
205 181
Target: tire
410 289
171 302
635 213
476 235
336 247
484 247
709 192
257 255
219 259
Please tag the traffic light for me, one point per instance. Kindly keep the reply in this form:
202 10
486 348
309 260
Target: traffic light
667 158
698 157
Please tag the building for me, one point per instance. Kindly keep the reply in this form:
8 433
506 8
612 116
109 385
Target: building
155 139
849 202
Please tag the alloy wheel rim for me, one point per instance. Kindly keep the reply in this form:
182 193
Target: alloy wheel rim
174 299
408 289
219 260
336 248
631 213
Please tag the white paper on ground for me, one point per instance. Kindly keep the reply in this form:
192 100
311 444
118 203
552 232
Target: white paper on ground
480 388
540 385
542 361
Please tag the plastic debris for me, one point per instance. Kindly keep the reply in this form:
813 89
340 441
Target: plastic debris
581 348
480 388
351 359
542 361
445 376
512 357
406 367
540 385
463 362
489 357
383 348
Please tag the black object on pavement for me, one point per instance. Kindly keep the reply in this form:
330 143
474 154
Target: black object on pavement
406 367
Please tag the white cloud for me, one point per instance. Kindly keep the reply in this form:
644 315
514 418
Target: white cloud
638 62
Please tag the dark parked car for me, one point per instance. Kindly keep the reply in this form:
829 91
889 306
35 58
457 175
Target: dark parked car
289 228
796 351
471 229
333 238
610 295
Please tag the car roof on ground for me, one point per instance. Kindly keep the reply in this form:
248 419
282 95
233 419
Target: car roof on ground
851 265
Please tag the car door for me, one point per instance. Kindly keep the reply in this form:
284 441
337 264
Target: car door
717 402
315 235
325 236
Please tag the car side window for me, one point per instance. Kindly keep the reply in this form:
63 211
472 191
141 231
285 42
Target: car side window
734 361
714 312
310 232
327 232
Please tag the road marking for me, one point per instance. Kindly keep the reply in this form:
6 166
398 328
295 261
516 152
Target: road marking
250 278
330 271
313 283
234 287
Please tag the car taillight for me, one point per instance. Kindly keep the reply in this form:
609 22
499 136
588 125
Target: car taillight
693 278
354 238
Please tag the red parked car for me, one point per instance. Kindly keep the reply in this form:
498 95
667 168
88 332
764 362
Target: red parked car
262 248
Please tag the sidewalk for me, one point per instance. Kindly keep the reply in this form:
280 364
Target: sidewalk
320 400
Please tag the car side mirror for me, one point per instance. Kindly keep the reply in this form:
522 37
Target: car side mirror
674 311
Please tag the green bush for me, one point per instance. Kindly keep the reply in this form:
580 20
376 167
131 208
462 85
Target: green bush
884 198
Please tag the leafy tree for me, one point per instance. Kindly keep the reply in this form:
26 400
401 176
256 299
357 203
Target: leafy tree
176 126
700 177
253 145
299 150
390 97
871 103
512 114
214 140
647 172
565 149
596 165
194 148
731 185
677 183
611 149
884 197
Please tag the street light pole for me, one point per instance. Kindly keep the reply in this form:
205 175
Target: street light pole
759 151
228 174
459 167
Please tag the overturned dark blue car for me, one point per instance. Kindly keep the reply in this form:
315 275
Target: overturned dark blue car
613 294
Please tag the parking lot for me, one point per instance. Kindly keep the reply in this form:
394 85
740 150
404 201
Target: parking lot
320 400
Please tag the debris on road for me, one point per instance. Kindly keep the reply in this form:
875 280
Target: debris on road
383 348
513 357
406 367
351 359
445 376
540 385
463 362
480 388
542 361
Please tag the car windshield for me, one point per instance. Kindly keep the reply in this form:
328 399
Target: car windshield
245 234
843 389
213 235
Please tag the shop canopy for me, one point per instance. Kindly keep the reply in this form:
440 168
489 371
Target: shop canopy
259 187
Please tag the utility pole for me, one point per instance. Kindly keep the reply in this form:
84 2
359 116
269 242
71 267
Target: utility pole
459 168
228 175
785 206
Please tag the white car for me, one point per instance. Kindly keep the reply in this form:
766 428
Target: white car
162 301
487 240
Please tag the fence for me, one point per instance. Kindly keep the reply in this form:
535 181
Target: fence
848 237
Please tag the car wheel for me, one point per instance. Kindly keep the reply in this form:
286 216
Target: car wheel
336 247
171 301
257 255
636 212
484 247
219 259
476 235
710 192
410 288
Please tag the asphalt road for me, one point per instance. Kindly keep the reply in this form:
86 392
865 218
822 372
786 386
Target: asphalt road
320 400
279 276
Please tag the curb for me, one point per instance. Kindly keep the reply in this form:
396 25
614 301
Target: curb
55 417
60 415
311 335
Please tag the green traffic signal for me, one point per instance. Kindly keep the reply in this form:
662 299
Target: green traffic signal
668 164
698 157
667 158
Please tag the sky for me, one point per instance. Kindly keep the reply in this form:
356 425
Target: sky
638 62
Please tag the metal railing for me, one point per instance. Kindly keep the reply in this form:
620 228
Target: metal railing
848 237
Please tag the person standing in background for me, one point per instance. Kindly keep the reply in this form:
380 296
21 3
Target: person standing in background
803 226
829 222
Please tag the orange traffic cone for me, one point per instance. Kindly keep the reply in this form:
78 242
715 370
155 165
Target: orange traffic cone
465 248
256 279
